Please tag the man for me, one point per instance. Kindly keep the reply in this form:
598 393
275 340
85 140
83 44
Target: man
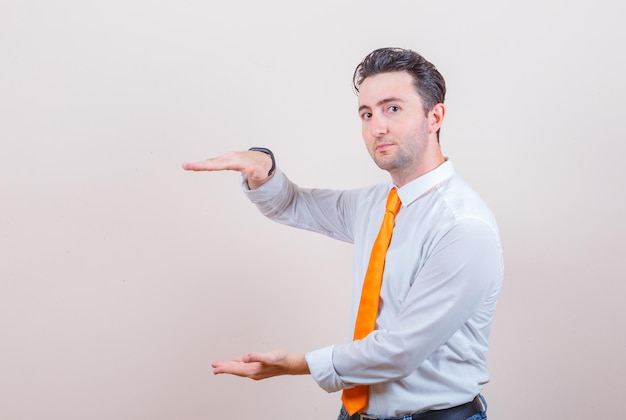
424 358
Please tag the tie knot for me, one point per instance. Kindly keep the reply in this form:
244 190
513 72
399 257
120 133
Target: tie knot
393 202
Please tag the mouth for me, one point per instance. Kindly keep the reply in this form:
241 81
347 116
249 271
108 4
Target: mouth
383 147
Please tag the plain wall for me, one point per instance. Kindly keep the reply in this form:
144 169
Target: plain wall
122 276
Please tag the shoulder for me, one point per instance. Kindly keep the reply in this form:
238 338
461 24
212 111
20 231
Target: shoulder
463 205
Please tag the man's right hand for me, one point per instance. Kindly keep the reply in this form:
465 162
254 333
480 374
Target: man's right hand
255 165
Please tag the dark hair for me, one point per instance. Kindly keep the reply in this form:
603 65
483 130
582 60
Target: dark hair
429 83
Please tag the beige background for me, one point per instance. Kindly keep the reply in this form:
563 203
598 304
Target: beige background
122 276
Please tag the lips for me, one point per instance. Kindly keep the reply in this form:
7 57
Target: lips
383 147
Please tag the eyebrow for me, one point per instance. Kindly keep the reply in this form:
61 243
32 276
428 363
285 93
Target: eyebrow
382 102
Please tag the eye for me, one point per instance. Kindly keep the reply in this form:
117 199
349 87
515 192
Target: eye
393 108
366 115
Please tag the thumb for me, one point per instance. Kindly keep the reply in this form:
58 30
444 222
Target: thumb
253 357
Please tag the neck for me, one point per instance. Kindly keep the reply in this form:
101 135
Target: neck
429 162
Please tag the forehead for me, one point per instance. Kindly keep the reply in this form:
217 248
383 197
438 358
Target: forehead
378 88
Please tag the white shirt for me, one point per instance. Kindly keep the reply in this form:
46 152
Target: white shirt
443 271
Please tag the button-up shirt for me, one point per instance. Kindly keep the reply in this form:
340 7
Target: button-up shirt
443 271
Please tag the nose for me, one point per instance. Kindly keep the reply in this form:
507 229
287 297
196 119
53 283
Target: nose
378 125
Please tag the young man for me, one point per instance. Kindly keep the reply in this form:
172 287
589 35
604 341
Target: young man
422 357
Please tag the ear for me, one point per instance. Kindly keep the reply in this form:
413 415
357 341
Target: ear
435 118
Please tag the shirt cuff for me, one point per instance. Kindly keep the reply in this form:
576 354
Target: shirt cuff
266 191
322 369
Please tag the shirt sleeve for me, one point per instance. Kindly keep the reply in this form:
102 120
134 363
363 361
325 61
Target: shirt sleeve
459 278
320 364
324 211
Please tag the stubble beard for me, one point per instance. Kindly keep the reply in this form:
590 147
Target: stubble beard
389 162
401 160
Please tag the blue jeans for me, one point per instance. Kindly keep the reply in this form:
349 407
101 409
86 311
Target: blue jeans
478 416
483 414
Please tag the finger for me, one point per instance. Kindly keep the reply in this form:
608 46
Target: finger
256 357
229 160
246 370
217 363
227 367
210 165
190 166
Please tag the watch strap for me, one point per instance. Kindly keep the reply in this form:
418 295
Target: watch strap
267 152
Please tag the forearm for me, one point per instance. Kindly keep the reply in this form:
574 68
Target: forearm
328 212
448 308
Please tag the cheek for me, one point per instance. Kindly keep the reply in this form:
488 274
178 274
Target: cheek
368 142
365 134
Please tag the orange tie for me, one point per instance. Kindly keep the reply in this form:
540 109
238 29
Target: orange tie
355 399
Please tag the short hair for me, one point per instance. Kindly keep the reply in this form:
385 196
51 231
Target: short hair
428 82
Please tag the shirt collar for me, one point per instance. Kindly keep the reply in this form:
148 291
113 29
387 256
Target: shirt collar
416 188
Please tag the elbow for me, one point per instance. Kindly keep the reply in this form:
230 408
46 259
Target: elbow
402 359
408 352
406 363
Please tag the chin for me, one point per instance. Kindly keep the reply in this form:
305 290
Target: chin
383 164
